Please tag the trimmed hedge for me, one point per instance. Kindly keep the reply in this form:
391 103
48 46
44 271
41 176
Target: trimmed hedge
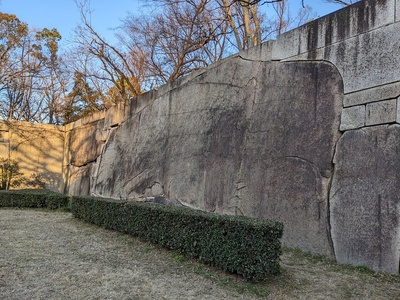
33 199
247 246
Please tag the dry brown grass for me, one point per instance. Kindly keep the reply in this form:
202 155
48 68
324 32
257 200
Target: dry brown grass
47 255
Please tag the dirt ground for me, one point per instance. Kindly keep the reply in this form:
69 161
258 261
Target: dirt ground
51 255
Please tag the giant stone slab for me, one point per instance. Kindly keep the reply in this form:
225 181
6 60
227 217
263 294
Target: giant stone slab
246 137
365 198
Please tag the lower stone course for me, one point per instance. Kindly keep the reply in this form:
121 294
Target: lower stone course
365 199
370 114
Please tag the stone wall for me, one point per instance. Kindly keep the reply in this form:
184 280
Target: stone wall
312 144
363 42
246 137
38 149
303 130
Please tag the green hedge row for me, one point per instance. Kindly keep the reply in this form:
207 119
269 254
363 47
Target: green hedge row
247 246
33 199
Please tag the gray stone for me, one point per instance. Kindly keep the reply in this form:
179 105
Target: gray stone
85 143
397 8
342 25
364 198
261 52
254 137
286 46
367 60
80 180
116 114
381 112
358 40
385 92
162 200
352 118
288 154
398 111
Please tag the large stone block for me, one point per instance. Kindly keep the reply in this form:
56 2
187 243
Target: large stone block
376 93
352 117
245 137
360 40
397 16
287 45
81 180
261 52
381 112
85 143
287 158
133 155
335 28
116 114
367 60
365 198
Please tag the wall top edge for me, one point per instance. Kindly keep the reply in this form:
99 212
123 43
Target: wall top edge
354 20
10 123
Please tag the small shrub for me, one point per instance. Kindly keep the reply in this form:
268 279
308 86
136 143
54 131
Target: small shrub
33 199
10 174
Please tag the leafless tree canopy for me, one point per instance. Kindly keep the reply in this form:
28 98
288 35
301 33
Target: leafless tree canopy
341 2
38 84
184 37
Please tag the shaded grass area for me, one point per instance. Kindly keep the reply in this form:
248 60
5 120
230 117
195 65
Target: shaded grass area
51 255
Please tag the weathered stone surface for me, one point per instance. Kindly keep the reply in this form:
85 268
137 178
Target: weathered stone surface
381 112
358 40
246 137
80 180
287 162
398 110
162 200
367 60
344 24
365 199
352 117
378 93
397 16
85 143
116 114
262 52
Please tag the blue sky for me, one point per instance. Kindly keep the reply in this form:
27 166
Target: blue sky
64 15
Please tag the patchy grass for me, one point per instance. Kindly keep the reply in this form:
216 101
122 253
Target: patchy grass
51 255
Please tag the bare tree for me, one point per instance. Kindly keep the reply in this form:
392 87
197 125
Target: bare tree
179 36
102 62
283 19
53 92
183 37
244 20
342 2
